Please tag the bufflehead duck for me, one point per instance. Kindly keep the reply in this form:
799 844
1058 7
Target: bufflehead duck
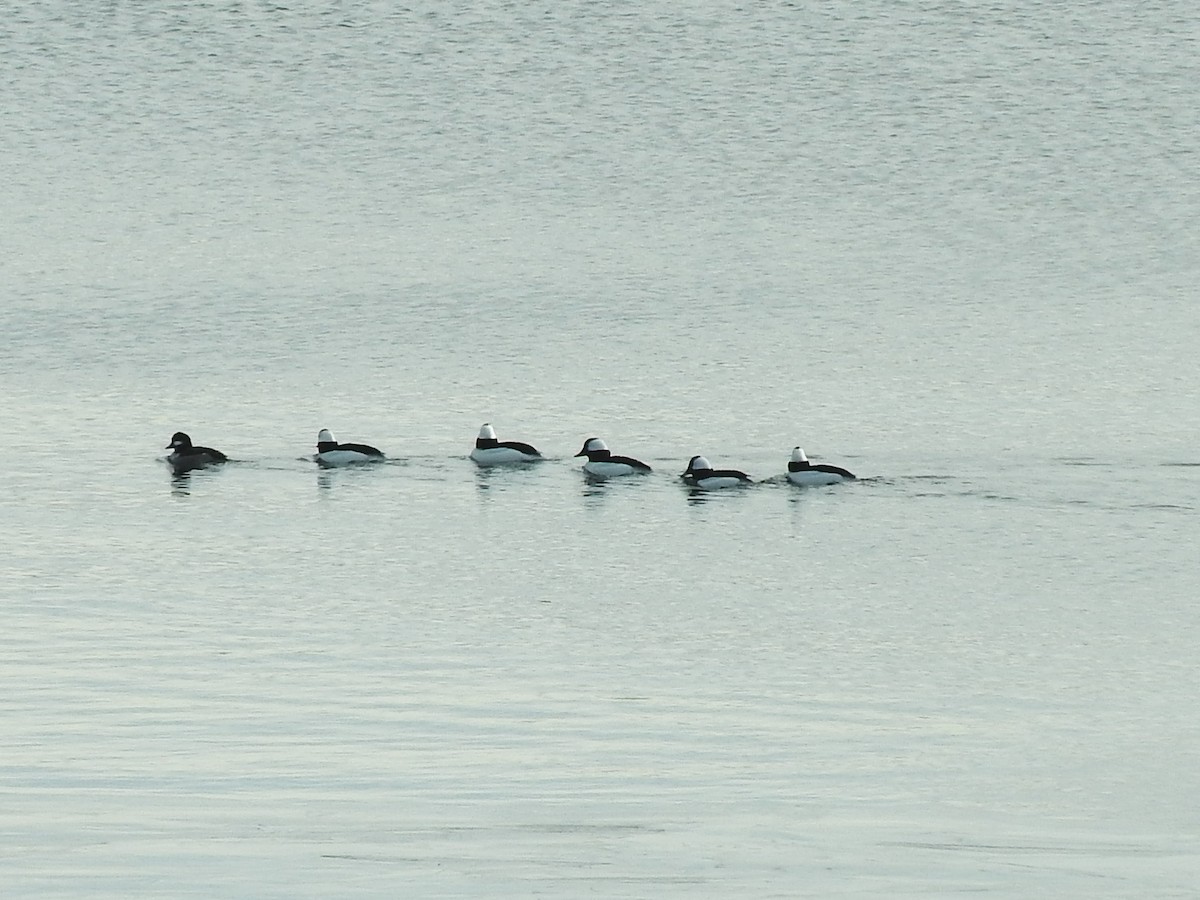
186 457
491 452
805 474
602 464
331 454
701 474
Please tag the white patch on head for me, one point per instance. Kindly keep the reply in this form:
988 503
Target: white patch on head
699 462
325 437
595 444
798 455
487 433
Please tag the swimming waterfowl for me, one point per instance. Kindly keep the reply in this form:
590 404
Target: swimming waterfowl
602 463
805 474
701 474
186 456
491 452
331 454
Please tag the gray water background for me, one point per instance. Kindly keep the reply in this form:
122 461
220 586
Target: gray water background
949 246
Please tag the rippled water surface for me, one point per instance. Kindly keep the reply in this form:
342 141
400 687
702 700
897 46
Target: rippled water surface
949 248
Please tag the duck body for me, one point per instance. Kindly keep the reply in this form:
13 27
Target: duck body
491 452
701 474
805 474
332 455
185 456
602 464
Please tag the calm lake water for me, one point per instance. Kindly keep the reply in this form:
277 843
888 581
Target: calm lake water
948 247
